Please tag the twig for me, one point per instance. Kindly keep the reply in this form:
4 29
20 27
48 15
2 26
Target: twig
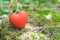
33 29
11 7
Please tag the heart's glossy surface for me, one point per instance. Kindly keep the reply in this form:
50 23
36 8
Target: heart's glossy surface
18 20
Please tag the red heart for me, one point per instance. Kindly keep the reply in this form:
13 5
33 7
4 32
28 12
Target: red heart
18 20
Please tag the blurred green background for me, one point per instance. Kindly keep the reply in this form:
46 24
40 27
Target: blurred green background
44 13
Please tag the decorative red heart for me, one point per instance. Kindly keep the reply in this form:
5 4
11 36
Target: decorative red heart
18 20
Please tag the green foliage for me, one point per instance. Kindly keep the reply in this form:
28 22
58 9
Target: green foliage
55 1
38 12
57 36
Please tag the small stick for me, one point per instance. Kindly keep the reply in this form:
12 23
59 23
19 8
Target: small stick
33 29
